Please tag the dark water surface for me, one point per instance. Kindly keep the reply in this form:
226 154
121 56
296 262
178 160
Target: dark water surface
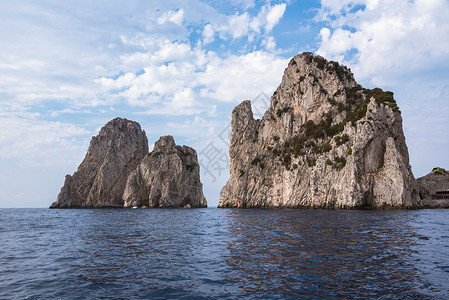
223 253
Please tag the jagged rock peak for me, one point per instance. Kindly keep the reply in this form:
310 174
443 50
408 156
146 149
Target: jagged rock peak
324 141
164 142
167 177
101 177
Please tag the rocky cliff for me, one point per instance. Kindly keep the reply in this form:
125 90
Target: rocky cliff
435 181
324 142
118 171
167 177
101 178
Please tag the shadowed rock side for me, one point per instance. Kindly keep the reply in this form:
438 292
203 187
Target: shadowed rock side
101 178
167 177
324 142
429 185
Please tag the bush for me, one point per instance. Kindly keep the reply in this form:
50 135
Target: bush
340 162
241 173
284 110
255 161
156 154
340 140
326 147
439 171
311 162
332 101
192 166
320 62
349 151
286 160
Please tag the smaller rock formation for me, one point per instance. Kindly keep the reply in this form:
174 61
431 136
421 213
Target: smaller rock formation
435 181
100 179
167 177
118 171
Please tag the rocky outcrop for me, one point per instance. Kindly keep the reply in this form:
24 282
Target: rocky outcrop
119 171
324 142
101 178
435 181
167 177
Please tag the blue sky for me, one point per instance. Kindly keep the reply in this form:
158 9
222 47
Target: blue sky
179 67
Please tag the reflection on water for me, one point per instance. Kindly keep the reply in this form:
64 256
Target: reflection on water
321 253
223 253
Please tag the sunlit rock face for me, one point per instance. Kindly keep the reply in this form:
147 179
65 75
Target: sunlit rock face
101 178
324 142
119 171
167 177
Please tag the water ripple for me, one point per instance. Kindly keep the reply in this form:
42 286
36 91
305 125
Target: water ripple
224 254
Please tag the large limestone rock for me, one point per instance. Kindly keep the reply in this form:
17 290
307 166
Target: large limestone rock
435 181
167 177
101 178
324 142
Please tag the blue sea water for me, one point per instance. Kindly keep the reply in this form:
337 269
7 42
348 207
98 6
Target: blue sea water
223 253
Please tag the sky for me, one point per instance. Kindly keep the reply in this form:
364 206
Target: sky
180 67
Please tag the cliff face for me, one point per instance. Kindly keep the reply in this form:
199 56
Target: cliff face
435 181
167 177
324 142
118 171
100 179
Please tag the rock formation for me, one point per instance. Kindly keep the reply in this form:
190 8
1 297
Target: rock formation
117 164
324 142
167 177
435 181
101 178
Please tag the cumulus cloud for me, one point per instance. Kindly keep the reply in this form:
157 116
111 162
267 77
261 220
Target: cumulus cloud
173 16
274 15
403 46
255 28
387 38
208 34
192 85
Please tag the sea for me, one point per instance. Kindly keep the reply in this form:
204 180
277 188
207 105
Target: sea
223 254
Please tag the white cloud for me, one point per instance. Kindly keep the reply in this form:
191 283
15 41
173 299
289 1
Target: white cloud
274 15
391 38
403 46
174 16
254 28
208 34
37 142
269 43
191 87
238 25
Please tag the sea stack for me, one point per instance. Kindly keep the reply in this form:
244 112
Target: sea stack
101 178
167 177
437 181
118 171
324 142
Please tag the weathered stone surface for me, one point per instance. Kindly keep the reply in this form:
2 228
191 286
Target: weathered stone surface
435 181
167 177
324 142
100 179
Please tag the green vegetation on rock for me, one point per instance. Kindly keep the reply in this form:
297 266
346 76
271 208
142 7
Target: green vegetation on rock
191 167
156 154
439 171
